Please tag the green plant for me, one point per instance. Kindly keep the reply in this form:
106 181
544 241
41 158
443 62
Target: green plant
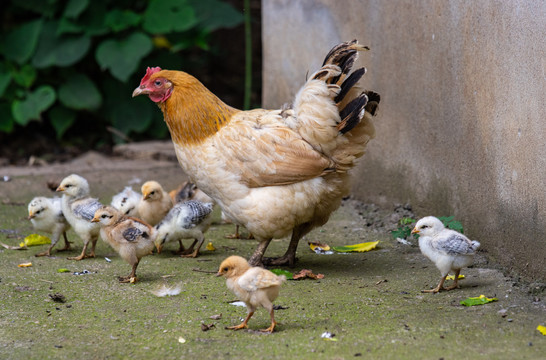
406 225
77 61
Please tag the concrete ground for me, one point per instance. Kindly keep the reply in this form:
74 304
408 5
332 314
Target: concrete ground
371 302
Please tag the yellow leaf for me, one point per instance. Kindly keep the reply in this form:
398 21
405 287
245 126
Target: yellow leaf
35 239
542 329
25 264
161 42
363 247
319 246
210 247
452 277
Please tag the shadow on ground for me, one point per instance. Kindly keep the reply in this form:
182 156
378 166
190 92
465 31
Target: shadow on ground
370 301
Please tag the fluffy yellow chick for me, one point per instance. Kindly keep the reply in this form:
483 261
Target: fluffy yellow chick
155 203
254 286
46 215
78 209
130 237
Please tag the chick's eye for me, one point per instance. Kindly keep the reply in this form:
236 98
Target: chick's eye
424 226
104 216
225 269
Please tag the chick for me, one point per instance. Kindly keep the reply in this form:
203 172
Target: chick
189 191
254 286
78 209
187 220
127 201
130 237
46 215
448 249
155 203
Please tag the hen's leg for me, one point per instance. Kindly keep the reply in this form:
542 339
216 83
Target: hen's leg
289 257
256 258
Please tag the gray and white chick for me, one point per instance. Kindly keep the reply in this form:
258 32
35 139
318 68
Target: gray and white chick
46 215
187 220
448 249
127 201
78 209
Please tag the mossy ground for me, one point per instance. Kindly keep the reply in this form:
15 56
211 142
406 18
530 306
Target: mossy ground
371 301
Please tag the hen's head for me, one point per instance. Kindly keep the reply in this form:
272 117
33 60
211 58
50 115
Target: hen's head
155 84
428 226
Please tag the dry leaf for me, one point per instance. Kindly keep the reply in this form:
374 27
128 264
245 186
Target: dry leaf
306 273
25 264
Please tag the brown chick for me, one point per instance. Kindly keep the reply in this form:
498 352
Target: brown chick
130 237
254 286
155 203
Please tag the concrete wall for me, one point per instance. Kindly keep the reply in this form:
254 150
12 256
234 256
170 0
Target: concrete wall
461 129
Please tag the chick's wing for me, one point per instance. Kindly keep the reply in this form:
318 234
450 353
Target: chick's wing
266 152
454 244
257 278
86 208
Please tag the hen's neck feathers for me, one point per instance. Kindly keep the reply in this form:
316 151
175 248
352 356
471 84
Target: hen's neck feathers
192 112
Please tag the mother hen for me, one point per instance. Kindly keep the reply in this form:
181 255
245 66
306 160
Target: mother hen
275 172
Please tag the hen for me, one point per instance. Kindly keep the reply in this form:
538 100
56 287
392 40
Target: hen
276 172
46 214
446 248
130 237
254 286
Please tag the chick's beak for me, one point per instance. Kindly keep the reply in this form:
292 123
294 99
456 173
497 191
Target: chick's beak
30 216
94 220
415 231
140 90
60 188
219 273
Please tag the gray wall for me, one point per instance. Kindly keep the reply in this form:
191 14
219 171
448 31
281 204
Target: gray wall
461 127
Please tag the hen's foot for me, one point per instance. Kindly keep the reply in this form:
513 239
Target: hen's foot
285 260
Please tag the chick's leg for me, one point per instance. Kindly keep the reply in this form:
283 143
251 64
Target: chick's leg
66 243
47 252
456 284
195 252
189 250
82 255
132 278
438 288
273 323
242 325
256 258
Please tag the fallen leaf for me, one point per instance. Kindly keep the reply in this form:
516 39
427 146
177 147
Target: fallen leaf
279 272
62 270
477 301
363 247
205 327
542 329
306 273
318 246
452 277
25 264
210 247
35 239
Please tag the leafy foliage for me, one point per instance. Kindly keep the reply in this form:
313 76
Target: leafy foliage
407 224
65 62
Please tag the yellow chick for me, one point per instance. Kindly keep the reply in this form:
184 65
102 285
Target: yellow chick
254 286
155 203
130 237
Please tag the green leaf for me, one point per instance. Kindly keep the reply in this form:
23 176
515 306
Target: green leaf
66 26
46 8
62 50
6 119
279 272
165 16
61 119
75 7
80 93
5 78
363 247
26 76
118 20
215 14
131 115
33 105
93 20
473 301
407 221
20 44
122 57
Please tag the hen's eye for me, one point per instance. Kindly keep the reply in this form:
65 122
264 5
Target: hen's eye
157 83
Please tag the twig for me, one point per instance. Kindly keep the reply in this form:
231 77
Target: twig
203 271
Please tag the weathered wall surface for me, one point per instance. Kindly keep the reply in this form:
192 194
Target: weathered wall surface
461 129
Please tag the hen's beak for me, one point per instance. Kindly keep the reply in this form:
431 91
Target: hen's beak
415 231
140 90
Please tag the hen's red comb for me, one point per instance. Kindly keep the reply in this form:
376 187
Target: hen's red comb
149 72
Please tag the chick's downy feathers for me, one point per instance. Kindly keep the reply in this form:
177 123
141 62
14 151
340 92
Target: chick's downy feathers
448 249
127 201
79 208
154 204
46 215
255 286
276 172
